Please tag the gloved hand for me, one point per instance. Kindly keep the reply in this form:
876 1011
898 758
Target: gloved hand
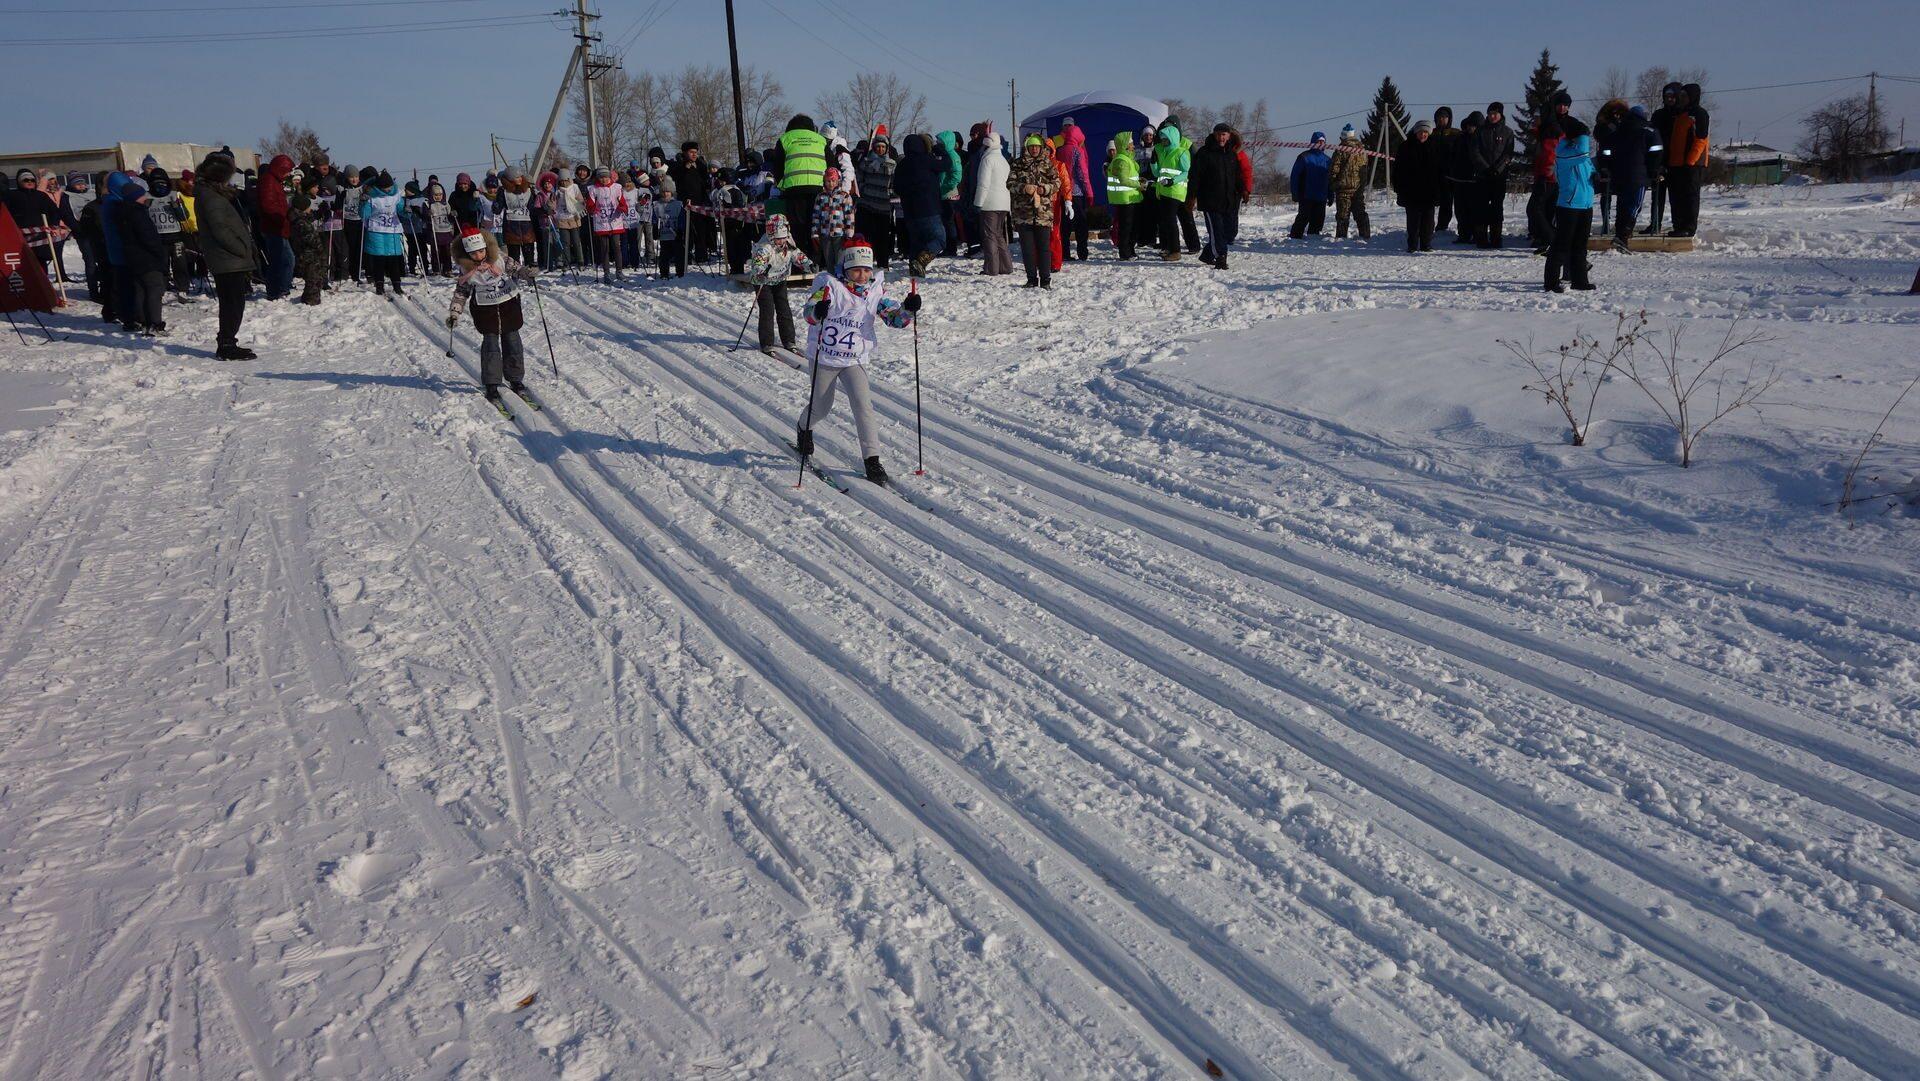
1066 209
912 303
820 311
452 321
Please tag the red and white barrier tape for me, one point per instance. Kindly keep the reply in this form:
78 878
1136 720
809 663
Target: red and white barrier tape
1276 144
752 213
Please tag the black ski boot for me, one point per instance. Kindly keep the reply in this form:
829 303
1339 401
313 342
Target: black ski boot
875 471
803 441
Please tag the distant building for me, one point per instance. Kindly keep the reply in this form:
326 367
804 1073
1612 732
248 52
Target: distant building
1750 163
173 157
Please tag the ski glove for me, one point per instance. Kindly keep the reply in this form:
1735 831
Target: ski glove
452 321
820 311
1066 207
912 303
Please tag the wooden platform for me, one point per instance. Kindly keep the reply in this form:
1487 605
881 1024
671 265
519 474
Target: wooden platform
1644 243
741 281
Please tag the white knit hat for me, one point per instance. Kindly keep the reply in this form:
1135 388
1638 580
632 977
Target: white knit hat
857 253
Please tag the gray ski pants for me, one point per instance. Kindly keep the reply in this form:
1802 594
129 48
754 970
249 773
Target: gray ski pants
501 359
858 394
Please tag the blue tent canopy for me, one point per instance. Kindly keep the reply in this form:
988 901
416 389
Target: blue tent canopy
1099 114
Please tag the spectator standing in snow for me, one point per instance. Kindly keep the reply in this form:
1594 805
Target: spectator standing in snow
275 230
1445 139
802 169
1418 179
1687 159
873 208
1309 186
1347 176
608 206
1490 152
1146 220
1172 162
516 214
226 243
1573 213
1123 193
145 257
917 182
1459 166
1625 143
569 212
1073 153
1218 189
1033 183
669 225
993 202
833 214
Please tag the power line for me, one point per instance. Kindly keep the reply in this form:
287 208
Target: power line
371 30
230 7
884 41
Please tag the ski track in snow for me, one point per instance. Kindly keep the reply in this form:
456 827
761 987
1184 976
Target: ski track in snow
349 730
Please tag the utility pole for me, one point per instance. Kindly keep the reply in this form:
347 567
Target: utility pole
739 114
553 116
1013 115
1873 107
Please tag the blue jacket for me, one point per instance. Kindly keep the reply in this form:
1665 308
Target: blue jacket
1309 180
119 186
1573 170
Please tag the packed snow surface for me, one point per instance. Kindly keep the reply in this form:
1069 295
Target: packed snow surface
1256 675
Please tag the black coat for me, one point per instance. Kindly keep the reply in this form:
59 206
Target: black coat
1214 180
1625 148
1419 169
140 242
916 180
1490 151
690 181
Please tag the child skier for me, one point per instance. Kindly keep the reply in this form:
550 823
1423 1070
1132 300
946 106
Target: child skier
516 204
609 208
488 277
309 239
384 215
669 221
775 257
440 219
841 314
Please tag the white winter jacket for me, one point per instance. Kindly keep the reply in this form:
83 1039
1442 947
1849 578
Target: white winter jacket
990 181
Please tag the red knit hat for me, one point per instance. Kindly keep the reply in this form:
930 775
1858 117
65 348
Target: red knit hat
856 252
879 131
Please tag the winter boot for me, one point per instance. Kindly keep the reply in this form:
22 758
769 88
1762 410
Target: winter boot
803 441
875 471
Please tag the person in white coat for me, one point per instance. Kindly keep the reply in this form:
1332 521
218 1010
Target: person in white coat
990 196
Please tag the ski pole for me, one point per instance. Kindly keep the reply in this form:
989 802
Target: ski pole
919 447
59 272
812 379
542 309
450 323
741 339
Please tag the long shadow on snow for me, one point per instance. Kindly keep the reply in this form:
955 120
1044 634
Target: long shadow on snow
547 447
346 380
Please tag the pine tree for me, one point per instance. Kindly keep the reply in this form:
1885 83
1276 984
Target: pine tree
1386 103
1541 88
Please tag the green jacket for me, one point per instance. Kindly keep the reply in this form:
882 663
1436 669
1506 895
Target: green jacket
950 156
1172 161
1123 173
805 164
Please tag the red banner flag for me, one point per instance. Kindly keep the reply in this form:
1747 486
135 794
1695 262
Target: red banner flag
23 281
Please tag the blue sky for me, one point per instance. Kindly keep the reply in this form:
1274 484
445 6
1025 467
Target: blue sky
428 96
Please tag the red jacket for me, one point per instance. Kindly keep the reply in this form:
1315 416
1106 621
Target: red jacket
1246 174
273 198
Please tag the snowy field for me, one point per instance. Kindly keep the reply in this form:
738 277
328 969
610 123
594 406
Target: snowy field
1257 676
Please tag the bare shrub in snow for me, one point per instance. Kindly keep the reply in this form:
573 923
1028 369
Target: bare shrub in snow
1849 494
1571 375
1673 381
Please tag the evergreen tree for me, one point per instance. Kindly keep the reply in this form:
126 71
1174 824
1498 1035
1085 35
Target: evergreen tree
1386 103
1543 85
